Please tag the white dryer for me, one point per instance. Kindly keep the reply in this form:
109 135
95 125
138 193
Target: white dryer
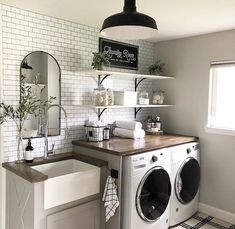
185 182
146 190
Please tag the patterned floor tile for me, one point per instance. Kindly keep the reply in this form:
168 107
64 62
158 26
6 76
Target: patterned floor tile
203 221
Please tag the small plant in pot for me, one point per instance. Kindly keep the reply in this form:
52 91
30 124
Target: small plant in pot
151 119
156 68
99 61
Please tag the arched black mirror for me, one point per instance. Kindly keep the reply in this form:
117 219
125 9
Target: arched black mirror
41 72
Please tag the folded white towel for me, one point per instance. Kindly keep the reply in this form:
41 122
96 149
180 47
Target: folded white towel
130 125
129 133
110 198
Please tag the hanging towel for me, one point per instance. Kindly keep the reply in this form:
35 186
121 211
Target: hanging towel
110 198
124 133
130 125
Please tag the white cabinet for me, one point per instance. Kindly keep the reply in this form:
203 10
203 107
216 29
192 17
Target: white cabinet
25 208
85 216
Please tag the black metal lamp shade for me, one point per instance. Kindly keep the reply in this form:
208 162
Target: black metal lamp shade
129 24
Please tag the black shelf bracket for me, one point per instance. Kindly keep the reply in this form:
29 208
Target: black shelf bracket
137 110
137 82
101 79
100 112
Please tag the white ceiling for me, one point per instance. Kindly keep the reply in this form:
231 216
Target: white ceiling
175 18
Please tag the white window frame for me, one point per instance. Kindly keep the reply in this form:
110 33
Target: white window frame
212 83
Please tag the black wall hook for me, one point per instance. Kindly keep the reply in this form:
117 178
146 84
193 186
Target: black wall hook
114 173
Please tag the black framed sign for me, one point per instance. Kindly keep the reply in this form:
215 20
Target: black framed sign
119 54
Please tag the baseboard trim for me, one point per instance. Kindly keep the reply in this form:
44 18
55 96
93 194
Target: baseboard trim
217 213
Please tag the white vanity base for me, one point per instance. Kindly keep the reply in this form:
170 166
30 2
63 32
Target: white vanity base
25 208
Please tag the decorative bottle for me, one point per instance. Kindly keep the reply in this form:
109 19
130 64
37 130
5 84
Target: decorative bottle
158 123
29 152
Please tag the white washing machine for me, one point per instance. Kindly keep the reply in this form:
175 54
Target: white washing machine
146 190
185 182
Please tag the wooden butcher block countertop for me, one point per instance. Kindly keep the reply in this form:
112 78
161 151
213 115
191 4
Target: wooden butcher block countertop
125 146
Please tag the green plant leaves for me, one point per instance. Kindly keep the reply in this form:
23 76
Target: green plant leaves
28 105
156 68
99 60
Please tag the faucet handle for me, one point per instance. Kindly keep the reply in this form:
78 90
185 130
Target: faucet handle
52 151
53 148
66 132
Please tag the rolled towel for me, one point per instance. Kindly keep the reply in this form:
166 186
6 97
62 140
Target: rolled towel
124 133
130 125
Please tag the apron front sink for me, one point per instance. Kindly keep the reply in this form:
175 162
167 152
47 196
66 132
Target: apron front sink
68 180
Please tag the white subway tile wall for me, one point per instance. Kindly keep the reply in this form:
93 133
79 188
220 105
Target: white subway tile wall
72 45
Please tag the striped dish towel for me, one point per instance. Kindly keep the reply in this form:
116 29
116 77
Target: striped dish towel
110 198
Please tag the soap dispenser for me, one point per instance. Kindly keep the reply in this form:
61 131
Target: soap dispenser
29 152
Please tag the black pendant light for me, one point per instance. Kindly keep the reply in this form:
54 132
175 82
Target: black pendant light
129 24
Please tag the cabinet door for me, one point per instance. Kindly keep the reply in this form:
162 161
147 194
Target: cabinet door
85 216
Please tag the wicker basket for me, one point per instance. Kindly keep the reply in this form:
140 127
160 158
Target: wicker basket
95 133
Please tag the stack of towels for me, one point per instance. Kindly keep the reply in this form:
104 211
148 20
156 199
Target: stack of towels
129 129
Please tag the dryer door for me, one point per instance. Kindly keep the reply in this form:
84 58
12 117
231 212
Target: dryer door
187 180
153 194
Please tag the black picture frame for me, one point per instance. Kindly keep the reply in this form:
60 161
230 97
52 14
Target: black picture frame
119 54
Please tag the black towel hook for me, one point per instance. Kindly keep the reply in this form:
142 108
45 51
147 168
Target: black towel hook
113 173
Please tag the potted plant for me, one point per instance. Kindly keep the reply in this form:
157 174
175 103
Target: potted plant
99 61
156 68
28 105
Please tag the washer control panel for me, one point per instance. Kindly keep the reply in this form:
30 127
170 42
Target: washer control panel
139 162
152 158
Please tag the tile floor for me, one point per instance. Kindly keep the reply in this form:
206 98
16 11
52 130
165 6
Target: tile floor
203 221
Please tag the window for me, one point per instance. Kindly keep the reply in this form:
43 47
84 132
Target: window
221 113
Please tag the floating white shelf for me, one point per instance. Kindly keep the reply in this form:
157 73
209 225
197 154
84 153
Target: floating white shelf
120 106
138 77
94 72
101 109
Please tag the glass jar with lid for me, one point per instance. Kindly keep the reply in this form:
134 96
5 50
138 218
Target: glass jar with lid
156 97
162 96
144 98
100 96
110 97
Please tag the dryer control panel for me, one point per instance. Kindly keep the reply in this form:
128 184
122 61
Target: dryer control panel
192 147
183 151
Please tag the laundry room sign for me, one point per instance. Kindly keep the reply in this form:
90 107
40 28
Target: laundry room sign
120 55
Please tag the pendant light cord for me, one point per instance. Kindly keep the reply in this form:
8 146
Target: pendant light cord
129 6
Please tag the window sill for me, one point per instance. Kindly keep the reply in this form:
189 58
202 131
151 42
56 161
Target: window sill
214 130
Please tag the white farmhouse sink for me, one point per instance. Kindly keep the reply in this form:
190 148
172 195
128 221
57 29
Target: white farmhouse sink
68 181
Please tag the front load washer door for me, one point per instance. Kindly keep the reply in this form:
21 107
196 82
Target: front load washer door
153 194
187 180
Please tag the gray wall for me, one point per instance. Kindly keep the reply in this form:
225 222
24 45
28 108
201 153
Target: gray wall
189 61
